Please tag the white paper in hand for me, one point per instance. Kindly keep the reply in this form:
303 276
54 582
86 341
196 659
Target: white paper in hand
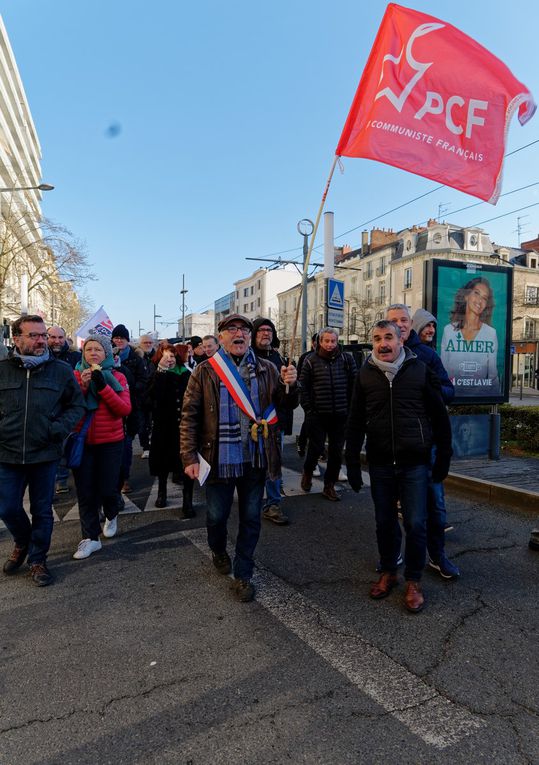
203 470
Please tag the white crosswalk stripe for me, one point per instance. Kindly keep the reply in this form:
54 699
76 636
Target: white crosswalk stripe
26 505
291 482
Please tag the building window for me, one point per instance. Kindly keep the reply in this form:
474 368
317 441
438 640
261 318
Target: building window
245 307
407 278
529 329
353 285
253 306
353 321
258 302
245 291
237 294
369 269
258 284
368 293
252 290
532 296
382 294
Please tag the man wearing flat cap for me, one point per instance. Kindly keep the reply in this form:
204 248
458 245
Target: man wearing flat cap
229 418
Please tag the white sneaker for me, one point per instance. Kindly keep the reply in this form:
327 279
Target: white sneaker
86 548
110 528
145 454
316 472
342 476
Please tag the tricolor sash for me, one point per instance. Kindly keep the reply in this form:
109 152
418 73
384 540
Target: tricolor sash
227 372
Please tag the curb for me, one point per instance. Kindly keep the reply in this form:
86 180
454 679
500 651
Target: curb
517 499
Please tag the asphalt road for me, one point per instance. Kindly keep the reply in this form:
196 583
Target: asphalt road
140 654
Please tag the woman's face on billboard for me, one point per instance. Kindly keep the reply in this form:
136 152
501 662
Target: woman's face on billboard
477 299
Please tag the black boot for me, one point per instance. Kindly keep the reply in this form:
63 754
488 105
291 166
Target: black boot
161 500
188 510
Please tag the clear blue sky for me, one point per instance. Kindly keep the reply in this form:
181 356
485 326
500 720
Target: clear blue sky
229 115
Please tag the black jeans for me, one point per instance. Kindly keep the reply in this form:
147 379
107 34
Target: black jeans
96 481
318 427
409 484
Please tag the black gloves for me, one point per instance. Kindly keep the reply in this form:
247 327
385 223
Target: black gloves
354 477
98 379
440 469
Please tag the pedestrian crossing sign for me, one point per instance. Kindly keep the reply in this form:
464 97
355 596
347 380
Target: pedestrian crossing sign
335 294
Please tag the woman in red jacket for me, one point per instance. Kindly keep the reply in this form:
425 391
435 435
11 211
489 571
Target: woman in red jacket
107 396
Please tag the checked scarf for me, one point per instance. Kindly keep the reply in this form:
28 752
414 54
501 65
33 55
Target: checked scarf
232 436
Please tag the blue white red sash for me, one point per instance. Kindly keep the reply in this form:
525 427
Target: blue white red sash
227 372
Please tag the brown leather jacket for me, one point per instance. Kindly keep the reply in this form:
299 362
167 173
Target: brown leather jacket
199 427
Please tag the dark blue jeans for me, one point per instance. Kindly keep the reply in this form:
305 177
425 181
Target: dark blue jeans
40 479
409 484
219 497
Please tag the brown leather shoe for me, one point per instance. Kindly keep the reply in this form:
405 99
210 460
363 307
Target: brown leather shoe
384 585
413 597
306 481
329 493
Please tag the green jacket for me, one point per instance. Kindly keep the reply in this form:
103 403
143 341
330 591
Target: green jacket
38 408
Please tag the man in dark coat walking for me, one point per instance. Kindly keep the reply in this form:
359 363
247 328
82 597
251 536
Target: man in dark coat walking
265 343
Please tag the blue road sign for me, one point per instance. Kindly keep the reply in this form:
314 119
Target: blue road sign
335 294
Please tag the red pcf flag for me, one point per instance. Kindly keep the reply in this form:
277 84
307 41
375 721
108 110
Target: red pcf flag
434 102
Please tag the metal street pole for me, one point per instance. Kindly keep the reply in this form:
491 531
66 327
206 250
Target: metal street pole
183 292
155 316
305 228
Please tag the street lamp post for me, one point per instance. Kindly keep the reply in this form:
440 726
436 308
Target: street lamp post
41 187
183 293
305 228
155 316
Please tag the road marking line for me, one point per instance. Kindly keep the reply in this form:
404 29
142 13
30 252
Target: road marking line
425 712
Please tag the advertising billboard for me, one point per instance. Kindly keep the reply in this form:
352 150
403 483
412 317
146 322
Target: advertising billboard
472 303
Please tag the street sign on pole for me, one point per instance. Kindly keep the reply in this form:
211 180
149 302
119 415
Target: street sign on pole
335 303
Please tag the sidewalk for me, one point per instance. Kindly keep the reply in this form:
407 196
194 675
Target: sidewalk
530 397
510 480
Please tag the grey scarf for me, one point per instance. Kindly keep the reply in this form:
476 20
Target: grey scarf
389 368
29 362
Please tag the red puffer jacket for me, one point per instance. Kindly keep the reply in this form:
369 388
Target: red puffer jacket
107 423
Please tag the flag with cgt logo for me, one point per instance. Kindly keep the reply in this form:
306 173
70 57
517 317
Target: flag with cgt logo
434 102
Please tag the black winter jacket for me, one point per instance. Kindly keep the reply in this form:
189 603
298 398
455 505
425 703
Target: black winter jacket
38 408
66 354
165 394
286 416
428 356
402 419
326 384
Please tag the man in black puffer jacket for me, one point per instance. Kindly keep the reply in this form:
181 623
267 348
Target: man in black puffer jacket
397 404
326 384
